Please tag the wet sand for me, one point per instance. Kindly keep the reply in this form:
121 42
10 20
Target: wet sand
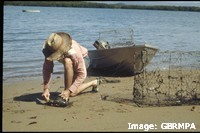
102 111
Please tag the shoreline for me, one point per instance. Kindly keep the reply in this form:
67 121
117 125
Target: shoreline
89 111
83 4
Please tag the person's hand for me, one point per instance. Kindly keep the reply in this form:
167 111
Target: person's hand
46 94
65 94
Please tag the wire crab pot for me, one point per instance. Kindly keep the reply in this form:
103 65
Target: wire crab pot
118 37
172 78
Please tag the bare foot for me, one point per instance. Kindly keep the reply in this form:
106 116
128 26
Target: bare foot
95 83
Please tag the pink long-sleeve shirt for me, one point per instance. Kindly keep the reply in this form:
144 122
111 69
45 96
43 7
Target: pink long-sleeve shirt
80 72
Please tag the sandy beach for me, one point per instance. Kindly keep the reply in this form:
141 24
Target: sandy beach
100 111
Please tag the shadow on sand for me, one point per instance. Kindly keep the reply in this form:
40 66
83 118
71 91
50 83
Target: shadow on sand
33 96
39 99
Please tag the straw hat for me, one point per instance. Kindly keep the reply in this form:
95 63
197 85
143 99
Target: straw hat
56 45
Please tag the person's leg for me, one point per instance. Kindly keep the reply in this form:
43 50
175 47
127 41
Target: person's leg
84 86
68 72
68 78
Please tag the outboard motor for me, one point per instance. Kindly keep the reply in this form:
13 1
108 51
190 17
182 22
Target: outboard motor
100 44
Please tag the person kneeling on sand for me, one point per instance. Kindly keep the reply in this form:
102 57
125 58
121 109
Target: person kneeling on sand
61 47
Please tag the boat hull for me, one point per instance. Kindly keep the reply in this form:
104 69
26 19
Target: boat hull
121 61
30 10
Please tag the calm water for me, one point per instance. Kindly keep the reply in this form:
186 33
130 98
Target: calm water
24 33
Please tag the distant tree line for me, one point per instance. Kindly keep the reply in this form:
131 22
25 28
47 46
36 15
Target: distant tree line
99 5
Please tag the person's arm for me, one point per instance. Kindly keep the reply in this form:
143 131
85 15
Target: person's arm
47 70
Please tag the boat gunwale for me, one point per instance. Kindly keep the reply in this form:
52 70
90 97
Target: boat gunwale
136 46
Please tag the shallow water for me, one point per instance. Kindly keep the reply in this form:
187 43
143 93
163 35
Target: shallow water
24 33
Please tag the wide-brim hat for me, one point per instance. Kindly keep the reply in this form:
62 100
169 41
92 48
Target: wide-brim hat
56 45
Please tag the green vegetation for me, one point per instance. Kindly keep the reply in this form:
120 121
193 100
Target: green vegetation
98 5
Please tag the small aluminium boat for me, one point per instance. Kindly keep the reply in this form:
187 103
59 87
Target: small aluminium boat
30 10
120 61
